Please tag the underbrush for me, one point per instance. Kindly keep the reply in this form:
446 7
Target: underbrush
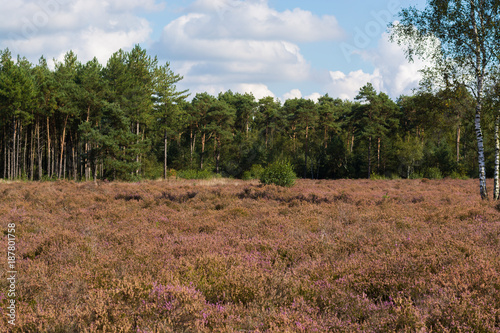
184 256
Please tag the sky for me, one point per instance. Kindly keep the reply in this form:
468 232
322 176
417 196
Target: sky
279 48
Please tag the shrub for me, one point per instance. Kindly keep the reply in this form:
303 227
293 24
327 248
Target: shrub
196 174
433 173
279 173
376 176
458 175
255 172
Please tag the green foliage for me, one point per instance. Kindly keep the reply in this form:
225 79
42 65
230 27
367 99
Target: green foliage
255 172
127 121
433 173
279 173
196 174
410 151
458 175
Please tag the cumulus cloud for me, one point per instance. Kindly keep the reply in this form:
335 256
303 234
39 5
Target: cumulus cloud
245 43
346 86
89 27
392 73
254 19
294 93
258 90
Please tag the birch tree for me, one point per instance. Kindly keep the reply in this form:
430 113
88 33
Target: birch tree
466 31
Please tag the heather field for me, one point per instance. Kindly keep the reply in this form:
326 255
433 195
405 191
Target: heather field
235 256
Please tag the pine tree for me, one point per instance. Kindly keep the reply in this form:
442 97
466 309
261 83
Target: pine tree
167 112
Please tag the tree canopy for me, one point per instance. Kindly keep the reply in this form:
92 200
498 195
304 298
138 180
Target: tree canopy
126 120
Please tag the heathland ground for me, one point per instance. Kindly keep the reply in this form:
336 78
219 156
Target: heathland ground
234 256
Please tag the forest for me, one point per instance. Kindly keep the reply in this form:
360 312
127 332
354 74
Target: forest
128 121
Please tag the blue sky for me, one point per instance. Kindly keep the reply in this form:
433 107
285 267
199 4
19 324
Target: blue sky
274 48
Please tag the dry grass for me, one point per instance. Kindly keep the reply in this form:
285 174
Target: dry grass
229 256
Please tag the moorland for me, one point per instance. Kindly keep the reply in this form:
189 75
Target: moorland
235 256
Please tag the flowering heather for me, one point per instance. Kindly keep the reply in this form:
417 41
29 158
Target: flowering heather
236 256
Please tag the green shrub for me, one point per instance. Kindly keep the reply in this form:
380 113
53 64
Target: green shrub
247 175
196 174
433 173
255 172
416 175
376 176
458 175
279 173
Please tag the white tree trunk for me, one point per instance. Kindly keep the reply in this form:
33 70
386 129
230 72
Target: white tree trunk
480 72
482 162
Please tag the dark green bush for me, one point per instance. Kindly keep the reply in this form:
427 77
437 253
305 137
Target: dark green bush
255 172
279 173
196 174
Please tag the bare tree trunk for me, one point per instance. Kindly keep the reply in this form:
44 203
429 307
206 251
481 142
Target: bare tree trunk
19 152
369 157
378 154
217 156
480 68
191 147
25 154
137 156
14 144
482 162
73 162
9 164
203 137
32 153
39 150
496 189
165 161
63 141
86 152
307 150
49 170
4 155
458 142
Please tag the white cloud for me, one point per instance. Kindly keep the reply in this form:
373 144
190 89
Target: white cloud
254 19
314 97
88 27
258 90
347 86
294 93
392 73
231 42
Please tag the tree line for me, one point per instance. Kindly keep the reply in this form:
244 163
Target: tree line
128 121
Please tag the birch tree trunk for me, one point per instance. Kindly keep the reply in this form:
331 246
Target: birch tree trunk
480 72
